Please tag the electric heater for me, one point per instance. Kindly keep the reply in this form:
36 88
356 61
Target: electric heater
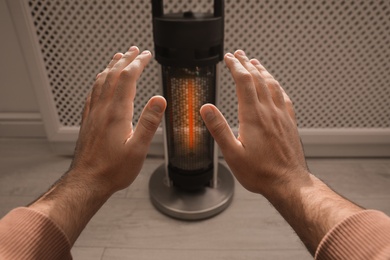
188 46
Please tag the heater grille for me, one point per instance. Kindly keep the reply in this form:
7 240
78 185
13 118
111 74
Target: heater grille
190 146
332 57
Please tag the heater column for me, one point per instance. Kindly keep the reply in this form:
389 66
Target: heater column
189 46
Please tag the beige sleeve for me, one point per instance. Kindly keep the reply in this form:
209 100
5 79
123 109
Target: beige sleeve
28 234
364 235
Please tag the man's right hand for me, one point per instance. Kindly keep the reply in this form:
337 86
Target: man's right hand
267 154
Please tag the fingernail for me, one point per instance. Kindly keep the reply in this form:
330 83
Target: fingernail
240 52
209 114
255 62
145 53
229 55
133 48
117 56
158 107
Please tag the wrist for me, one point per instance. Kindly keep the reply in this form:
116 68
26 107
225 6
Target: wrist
290 186
90 183
93 185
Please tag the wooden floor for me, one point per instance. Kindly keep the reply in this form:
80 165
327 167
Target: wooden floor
128 227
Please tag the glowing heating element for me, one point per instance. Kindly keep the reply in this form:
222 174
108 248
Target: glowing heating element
190 100
190 145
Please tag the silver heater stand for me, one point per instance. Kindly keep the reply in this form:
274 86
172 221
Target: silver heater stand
191 205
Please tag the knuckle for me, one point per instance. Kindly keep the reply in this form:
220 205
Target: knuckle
149 123
105 71
244 77
219 128
100 77
107 85
271 82
275 118
131 72
288 101
111 73
127 55
126 74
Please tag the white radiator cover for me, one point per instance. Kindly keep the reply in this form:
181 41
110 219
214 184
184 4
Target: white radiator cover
332 58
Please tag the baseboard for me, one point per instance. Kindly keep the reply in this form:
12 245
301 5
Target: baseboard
364 142
316 142
15 124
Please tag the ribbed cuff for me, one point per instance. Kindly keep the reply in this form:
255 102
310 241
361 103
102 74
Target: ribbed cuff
364 235
28 234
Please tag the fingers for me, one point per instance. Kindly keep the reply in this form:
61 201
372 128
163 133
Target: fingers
114 73
101 78
245 88
273 86
149 121
279 95
219 129
125 91
258 81
256 85
120 76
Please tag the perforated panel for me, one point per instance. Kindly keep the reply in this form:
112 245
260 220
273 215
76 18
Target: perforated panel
332 57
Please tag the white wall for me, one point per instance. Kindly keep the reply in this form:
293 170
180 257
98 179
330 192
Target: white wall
19 111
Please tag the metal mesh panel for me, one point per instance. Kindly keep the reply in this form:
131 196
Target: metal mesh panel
332 57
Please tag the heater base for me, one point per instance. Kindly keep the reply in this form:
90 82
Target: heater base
191 205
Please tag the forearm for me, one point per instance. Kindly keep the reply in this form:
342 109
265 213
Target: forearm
71 203
312 209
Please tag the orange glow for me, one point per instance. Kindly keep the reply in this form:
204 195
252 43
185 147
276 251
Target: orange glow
191 120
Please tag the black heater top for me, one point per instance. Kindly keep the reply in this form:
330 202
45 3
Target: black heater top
188 39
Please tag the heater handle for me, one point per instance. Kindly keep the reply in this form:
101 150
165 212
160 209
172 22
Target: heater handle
158 8
219 8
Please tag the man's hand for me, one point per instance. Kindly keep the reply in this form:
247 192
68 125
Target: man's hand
109 152
267 152
267 156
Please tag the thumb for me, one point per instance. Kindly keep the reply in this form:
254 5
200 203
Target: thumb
149 121
219 128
